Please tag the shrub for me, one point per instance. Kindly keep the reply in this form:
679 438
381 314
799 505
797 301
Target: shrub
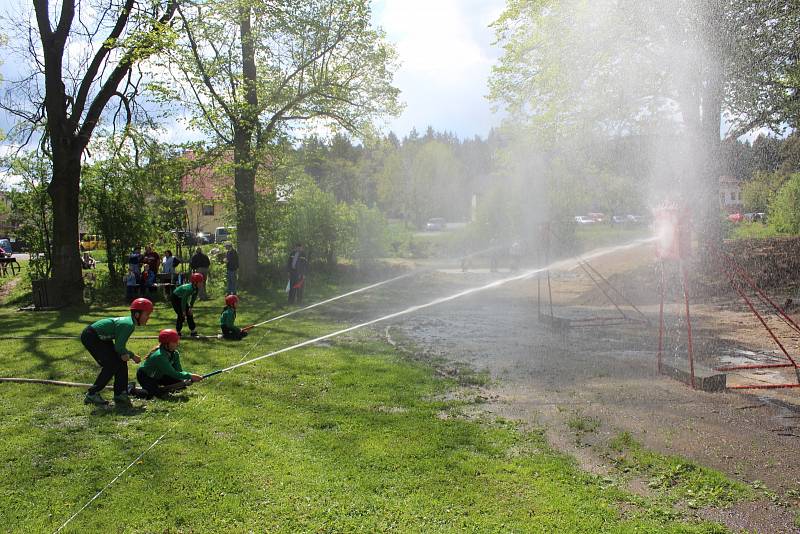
784 210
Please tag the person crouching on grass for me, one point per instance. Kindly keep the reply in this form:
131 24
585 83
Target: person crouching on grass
105 340
182 299
161 371
228 318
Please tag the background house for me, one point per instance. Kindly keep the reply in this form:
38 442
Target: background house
730 194
204 189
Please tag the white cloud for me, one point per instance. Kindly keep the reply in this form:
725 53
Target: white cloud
446 56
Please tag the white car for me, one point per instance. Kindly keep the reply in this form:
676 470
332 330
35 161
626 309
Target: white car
583 219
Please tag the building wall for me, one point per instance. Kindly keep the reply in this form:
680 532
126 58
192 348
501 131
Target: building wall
199 218
730 196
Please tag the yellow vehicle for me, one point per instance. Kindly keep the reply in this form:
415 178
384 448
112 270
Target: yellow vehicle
91 242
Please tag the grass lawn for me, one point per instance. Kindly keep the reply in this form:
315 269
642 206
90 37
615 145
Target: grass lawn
345 436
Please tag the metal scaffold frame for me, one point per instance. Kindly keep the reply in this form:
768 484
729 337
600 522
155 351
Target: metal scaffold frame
609 291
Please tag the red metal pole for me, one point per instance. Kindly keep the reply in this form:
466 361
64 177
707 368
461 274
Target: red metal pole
688 321
755 312
766 386
661 319
757 289
754 366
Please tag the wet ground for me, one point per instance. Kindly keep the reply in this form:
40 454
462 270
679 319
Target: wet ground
549 376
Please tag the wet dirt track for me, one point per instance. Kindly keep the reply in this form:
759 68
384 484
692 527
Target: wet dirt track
546 377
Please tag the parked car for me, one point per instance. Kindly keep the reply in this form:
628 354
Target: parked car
222 233
755 217
636 219
185 237
203 238
18 245
5 248
619 219
583 219
736 217
91 242
597 217
437 224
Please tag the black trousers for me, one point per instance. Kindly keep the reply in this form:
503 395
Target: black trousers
110 363
154 387
176 305
227 333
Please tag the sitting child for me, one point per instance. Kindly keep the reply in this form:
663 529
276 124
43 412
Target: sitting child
228 318
131 285
148 280
161 371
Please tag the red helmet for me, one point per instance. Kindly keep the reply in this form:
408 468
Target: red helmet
168 335
197 278
141 304
231 300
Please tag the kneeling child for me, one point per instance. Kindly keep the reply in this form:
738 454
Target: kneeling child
161 371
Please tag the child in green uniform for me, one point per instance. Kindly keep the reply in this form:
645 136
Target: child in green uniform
161 371
182 299
228 318
105 340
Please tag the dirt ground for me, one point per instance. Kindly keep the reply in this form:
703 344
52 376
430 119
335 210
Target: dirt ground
546 377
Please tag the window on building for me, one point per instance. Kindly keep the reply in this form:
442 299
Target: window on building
208 209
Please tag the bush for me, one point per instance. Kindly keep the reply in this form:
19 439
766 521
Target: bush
784 210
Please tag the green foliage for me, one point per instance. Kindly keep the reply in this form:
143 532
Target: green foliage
32 210
329 229
674 477
758 193
312 219
362 232
751 230
784 210
119 202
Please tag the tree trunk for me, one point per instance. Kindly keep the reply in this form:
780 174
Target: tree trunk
246 163
246 229
66 264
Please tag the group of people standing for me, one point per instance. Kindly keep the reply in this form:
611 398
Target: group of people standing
144 268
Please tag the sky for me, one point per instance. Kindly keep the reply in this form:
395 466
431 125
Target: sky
446 54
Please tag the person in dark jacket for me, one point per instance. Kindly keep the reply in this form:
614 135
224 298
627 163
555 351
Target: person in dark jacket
231 266
297 267
151 258
135 261
199 263
161 371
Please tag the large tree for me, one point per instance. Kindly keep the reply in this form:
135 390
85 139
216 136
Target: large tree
82 56
617 67
254 70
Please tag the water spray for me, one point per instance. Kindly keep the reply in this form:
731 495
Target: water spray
497 283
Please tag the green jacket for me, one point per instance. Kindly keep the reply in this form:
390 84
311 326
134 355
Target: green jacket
227 319
187 293
118 329
164 363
